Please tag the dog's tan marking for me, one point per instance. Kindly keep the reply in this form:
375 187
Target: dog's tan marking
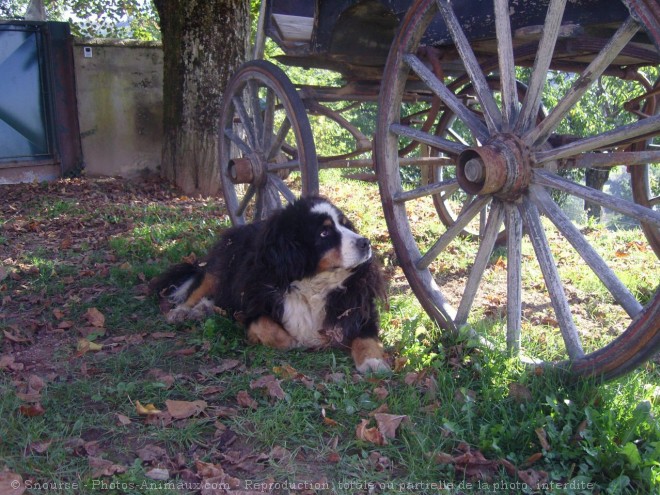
368 355
265 331
206 289
329 261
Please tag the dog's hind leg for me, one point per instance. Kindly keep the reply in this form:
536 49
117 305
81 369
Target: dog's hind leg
265 331
199 302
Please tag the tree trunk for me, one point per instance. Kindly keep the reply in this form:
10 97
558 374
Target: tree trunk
204 42
595 178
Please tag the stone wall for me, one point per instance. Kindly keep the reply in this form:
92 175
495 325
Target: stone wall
119 88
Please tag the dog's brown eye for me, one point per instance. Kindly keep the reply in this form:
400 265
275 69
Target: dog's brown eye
326 231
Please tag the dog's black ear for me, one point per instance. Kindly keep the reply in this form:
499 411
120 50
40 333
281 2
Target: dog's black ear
282 253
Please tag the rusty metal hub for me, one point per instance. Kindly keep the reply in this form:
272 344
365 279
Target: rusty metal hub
247 170
502 167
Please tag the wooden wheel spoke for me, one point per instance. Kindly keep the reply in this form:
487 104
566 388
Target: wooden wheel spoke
255 108
625 207
452 232
442 144
279 184
247 122
513 278
569 332
481 260
623 134
609 52
447 187
492 114
619 291
238 141
532 101
245 201
507 64
290 165
473 122
588 160
280 138
269 118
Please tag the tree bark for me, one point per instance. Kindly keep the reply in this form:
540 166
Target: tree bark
204 42
595 178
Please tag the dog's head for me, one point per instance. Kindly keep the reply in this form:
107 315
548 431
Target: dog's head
312 236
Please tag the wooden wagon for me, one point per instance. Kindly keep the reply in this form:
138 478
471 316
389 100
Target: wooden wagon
459 90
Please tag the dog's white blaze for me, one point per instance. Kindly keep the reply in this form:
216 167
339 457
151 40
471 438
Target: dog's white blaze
351 255
304 307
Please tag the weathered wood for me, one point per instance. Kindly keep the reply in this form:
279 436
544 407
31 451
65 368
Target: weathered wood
628 208
616 158
513 278
491 112
626 133
619 291
623 35
432 140
452 232
567 327
488 239
294 27
428 190
532 101
507 64
462 112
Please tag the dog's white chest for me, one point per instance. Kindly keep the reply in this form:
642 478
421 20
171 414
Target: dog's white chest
304 307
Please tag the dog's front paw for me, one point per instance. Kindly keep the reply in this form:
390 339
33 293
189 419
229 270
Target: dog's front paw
374 365
369 356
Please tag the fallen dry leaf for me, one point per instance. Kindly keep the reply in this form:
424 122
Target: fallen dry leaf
95 317
39 447
371 435
208 469
543 439
32 410
244 400
103 467
85 346
520 393
270 383
381 393
181 409
160 474
123 420
225 365
11 483
147 410
388 423
151 453
15 338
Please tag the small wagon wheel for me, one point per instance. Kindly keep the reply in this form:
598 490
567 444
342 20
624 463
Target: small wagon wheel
511 170
267 153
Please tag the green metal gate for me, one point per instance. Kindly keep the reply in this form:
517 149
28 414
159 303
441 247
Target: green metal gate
39 134
23 111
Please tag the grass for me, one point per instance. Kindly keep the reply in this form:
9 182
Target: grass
460 398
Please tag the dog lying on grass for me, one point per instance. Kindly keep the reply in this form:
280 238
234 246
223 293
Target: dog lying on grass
303 278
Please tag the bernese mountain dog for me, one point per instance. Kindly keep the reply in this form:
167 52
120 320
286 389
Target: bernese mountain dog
303 278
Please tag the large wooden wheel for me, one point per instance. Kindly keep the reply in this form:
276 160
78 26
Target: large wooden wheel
267 153
512 169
